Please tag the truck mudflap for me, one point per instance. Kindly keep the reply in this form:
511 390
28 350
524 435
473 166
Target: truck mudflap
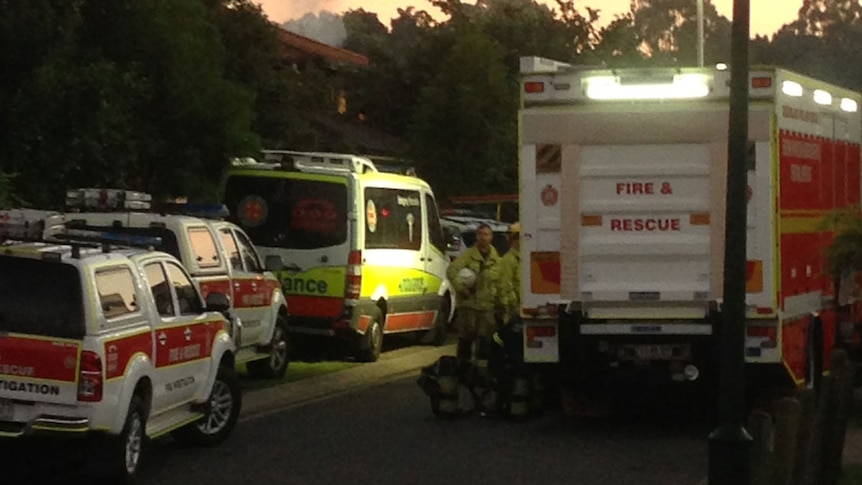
35 368
541 341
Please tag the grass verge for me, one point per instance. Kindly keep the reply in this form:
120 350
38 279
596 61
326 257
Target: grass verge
851 475
296 372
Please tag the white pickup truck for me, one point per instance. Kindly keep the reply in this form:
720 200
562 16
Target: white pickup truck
217 254
116 346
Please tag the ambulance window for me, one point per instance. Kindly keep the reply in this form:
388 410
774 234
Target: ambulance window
435 230
393 219
116 290
24 284
187 294
289 213
203 247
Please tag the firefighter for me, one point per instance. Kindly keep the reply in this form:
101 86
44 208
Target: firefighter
475 277
510 276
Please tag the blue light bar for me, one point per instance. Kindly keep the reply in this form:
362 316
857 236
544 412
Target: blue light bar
110 238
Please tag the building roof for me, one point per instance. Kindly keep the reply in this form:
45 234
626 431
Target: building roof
300 48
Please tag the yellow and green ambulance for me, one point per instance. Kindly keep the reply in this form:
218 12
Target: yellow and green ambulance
364 249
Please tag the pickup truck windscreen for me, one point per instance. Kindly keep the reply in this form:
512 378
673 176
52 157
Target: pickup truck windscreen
40 298
288 213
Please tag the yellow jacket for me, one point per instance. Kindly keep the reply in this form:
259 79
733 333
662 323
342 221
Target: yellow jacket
510 284
484 295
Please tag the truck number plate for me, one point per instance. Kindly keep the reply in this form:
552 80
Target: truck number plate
6 410
655 352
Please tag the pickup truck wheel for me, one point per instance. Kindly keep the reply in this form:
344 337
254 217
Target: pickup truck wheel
274 366
224 404
372 341
117 458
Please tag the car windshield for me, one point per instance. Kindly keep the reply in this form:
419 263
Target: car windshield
500 240
288 213
40 298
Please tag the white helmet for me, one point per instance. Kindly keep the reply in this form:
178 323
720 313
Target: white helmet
468 277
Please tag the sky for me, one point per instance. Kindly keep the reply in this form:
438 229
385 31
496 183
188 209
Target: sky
767 16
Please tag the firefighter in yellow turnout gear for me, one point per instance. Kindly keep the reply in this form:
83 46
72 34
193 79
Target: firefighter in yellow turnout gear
475 275
510 276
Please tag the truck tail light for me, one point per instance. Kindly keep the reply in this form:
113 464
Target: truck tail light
354 276
90 381
769 334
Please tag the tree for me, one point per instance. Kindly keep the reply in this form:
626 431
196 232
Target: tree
821 43
254 60
463 133
128 93
665 33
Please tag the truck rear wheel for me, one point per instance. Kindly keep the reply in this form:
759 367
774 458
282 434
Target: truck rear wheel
118 458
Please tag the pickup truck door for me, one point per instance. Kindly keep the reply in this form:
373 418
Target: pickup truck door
183 336
251 290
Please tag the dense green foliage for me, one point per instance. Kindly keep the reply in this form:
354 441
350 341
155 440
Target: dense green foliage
157 95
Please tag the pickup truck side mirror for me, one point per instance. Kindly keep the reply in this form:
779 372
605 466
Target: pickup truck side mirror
217 302
274 262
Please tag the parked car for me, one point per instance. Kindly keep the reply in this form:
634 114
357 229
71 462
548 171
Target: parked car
113 344
217 254
460 232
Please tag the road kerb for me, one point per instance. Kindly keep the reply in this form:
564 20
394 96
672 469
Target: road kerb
265 401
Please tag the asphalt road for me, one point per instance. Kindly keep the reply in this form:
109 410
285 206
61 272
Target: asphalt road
387 435
361 426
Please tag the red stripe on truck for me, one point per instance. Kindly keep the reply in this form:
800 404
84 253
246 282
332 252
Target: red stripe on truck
39 358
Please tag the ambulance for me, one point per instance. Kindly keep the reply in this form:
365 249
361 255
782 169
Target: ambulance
623 177
364 249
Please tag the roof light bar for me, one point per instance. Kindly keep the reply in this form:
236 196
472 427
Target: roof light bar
105 237
682 86
107 199
791 88
28 224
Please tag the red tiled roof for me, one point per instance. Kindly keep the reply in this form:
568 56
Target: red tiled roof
299 47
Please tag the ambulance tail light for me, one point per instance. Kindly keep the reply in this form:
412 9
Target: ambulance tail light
768 334
354 276
90 381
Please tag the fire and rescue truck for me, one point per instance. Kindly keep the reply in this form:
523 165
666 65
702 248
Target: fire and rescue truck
114 345
623 178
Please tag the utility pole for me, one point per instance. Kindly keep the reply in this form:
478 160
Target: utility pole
699 33
729 443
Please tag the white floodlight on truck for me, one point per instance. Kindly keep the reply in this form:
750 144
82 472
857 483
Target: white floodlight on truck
679 86
791 88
